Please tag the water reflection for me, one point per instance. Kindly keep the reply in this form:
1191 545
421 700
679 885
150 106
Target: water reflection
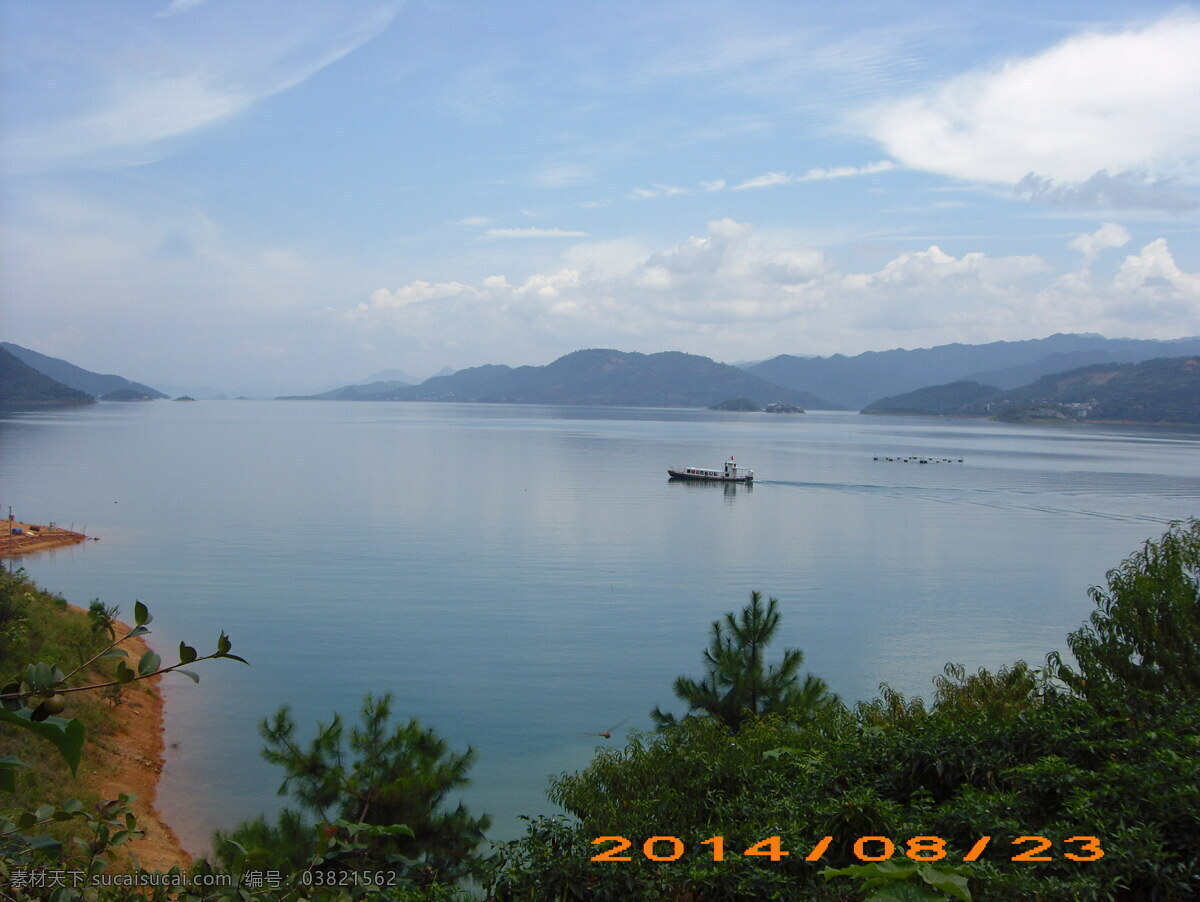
730 488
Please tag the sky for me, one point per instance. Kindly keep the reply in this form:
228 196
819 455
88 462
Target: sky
264 196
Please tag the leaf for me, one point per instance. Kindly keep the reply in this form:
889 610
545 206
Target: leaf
904 892
45 843
136 631
124 674
141 614
114 653
39 676
12 704
947 882
67 735
236 658
194 677
149 663
223 645
187 654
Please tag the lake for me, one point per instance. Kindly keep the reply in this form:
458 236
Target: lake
521 577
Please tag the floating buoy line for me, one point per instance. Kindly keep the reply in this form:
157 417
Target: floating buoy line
919 459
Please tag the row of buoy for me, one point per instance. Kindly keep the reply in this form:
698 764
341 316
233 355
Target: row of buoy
921 460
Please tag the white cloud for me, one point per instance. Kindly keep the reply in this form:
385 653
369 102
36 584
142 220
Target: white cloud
471 221
1109 235
739 292
1117 101
1149 296
533 233
416 292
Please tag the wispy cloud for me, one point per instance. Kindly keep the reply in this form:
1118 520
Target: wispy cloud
658 191
533 233
179 6
1123 191
201 79
815 175
766 181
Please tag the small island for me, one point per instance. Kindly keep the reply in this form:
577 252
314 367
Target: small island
747 405
740 405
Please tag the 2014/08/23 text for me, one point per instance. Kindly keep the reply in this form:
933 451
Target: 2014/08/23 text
866 848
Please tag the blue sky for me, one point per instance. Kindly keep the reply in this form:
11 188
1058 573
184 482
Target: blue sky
285 195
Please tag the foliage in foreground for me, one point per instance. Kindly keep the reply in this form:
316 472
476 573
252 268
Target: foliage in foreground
99 860
1107 750
360 790
1099 759
737 684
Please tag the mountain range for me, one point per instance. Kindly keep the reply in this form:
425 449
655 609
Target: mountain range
592 377
675 379
855 382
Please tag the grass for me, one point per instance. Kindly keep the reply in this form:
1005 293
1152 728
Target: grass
38 626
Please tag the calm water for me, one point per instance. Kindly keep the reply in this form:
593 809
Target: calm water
521 576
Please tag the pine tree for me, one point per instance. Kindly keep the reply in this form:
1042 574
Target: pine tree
738 685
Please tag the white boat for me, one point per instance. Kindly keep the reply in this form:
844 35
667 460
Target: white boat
731 473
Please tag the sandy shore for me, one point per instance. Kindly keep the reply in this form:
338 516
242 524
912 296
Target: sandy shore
35 538
130 759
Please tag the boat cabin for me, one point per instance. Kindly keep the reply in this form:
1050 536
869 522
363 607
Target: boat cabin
731 473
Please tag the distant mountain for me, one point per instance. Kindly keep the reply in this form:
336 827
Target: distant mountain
21 385
394 375
603 377
1164 390
68 374
859 380
369 392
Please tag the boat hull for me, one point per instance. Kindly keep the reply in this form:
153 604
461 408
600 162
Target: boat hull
695 477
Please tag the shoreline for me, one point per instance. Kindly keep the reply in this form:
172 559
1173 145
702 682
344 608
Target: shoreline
130 759
35 538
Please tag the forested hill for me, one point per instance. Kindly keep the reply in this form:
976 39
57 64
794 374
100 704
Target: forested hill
857 381
1166 390
21 385
94 384
600 377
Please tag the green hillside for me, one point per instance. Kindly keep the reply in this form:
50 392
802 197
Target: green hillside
76 377
1165 390
940 400
22 385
